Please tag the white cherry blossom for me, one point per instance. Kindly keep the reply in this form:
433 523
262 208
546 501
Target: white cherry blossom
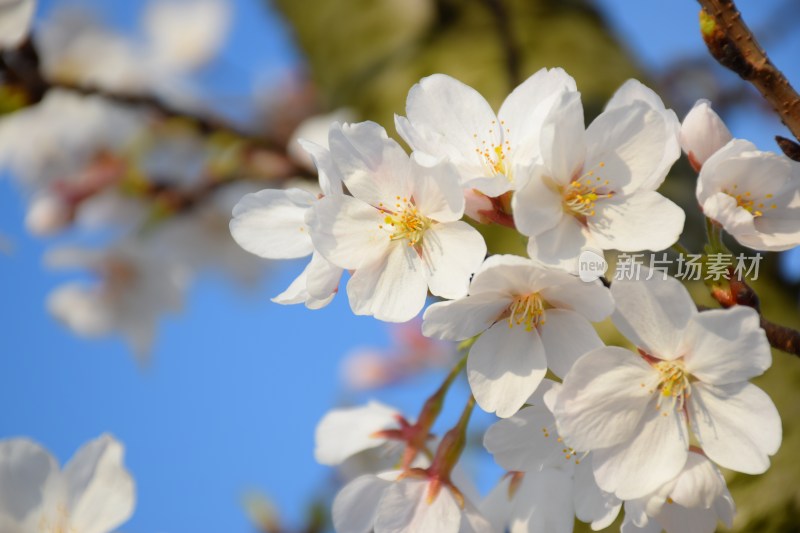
702 133
450 120
94 493
530 318
16 17
693 502
596 186
348 431
634 411
754 195
400 232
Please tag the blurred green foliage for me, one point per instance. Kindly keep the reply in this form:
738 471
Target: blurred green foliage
366 55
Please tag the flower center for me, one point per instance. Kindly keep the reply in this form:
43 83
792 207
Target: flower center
673 383
527 309
405 222
494 156
580 196
60 524
748 202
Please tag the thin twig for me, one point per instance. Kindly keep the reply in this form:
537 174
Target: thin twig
734 46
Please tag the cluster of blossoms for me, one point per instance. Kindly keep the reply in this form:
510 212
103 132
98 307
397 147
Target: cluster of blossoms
642 430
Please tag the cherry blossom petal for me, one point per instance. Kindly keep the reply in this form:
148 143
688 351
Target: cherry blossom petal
271 223
296 292
653 313
602 400
497 506
330 178
473 521
566 336
504 367
592 504
26 469
737 425
102 492
723 208
702 133
526 108
15 21
461 319
627 145
521 444
676 518
345 432
642 221
451 119
322 277
507 274
537 207
726 346
348 232
374 167
659 447
564 138
629 527
451 253
405 508
561 245
437 193
393 289
591 300
544 503
699 484
356 505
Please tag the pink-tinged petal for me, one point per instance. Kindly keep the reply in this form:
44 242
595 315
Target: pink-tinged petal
504 367
537 207
102 492
393 289
26 470
322 277
374 167
653 314
345 432
461 319
632 91
561 245
726 346
564 138
448 118
626 146
356 505
592 504
525 442
544 503
699 484
451 253
405 508
437 193
566 337
603 398
659 446
702 133
525 109
271 223
348 232
737 425
591 300
644 220
330 179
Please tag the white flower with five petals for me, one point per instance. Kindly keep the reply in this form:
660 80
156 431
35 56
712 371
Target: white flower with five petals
530 318
754 195
634 411
596 187
400 231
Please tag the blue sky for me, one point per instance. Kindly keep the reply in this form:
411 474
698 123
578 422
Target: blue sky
237 383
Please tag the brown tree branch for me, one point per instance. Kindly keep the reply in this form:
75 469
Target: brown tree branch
734 46
740 293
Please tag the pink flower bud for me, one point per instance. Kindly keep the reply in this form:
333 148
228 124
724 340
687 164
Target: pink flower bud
702 133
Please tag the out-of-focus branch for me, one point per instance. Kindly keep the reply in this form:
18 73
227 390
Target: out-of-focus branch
740 293
510 46
22 68
734 46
